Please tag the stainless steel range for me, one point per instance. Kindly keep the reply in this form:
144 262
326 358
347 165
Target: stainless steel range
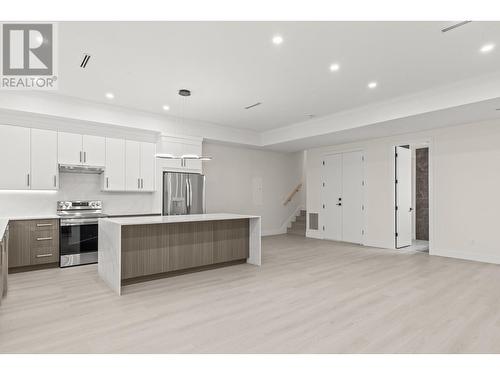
79 231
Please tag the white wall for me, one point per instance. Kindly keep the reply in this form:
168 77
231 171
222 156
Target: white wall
74 187
464 183
233 179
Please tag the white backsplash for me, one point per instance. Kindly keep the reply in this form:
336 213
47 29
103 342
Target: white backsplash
74 186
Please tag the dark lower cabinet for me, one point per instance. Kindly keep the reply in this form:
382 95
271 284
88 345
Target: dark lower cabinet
33 243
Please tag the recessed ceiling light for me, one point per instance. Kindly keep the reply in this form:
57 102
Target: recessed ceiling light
372 85
166 108
487 48
110 95
334 67
277 39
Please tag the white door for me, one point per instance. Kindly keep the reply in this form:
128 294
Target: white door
44 168
70 148
132 165
114 175
352 197
14 157
403 197
332 197
148 152
94 150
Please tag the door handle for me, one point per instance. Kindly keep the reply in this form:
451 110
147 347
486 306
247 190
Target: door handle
44 225
44 255
339 204
44 238
411 209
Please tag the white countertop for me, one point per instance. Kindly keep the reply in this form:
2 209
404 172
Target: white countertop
3 226
175 219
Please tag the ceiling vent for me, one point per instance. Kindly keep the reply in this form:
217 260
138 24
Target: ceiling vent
455 26
85 60
253 105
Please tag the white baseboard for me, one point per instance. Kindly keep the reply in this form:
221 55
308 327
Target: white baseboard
484 258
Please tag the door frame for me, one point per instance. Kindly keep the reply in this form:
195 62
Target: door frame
363 195
413 142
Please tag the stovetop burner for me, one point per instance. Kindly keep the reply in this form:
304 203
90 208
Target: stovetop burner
80 209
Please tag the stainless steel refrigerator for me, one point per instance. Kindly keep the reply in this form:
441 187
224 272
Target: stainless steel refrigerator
183 193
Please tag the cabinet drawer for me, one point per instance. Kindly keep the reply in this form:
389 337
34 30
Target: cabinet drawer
44 255
43 239
44 225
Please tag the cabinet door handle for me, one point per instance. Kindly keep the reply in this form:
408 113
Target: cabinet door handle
43 238
80 156
142 183
44 255
28 179
44 225
138 183
85 156
107 182
55 180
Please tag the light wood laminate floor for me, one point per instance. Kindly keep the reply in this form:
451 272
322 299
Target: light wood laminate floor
309 296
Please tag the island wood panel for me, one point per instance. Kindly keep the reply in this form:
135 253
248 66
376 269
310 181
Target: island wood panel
231 240
144 250
150 249
191 245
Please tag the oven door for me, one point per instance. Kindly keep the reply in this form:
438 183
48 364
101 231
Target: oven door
78 242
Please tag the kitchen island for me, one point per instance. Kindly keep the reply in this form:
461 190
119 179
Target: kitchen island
137 249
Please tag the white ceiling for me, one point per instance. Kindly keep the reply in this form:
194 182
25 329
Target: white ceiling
230 65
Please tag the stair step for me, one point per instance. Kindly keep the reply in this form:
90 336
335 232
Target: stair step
300 219
296 232
298 225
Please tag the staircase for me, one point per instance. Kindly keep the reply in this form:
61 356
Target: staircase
298 226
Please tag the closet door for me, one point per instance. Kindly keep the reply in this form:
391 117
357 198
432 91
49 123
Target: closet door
403 197
332 197
352 197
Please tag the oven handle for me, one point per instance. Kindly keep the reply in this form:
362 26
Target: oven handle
72 223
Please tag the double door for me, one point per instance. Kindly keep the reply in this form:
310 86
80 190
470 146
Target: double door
342 197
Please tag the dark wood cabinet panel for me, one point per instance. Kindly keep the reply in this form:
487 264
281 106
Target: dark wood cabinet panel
168 248
144 250
231 240
19 243
190 245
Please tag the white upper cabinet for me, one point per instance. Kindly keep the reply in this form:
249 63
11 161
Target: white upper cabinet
148 166
133 163
94 150
114 174
140 163
77 149
44 168
70 148
14 158
178 147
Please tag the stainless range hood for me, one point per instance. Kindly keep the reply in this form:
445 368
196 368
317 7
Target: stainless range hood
89 169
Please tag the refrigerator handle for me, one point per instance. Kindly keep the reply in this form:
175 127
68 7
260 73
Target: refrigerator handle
190 195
